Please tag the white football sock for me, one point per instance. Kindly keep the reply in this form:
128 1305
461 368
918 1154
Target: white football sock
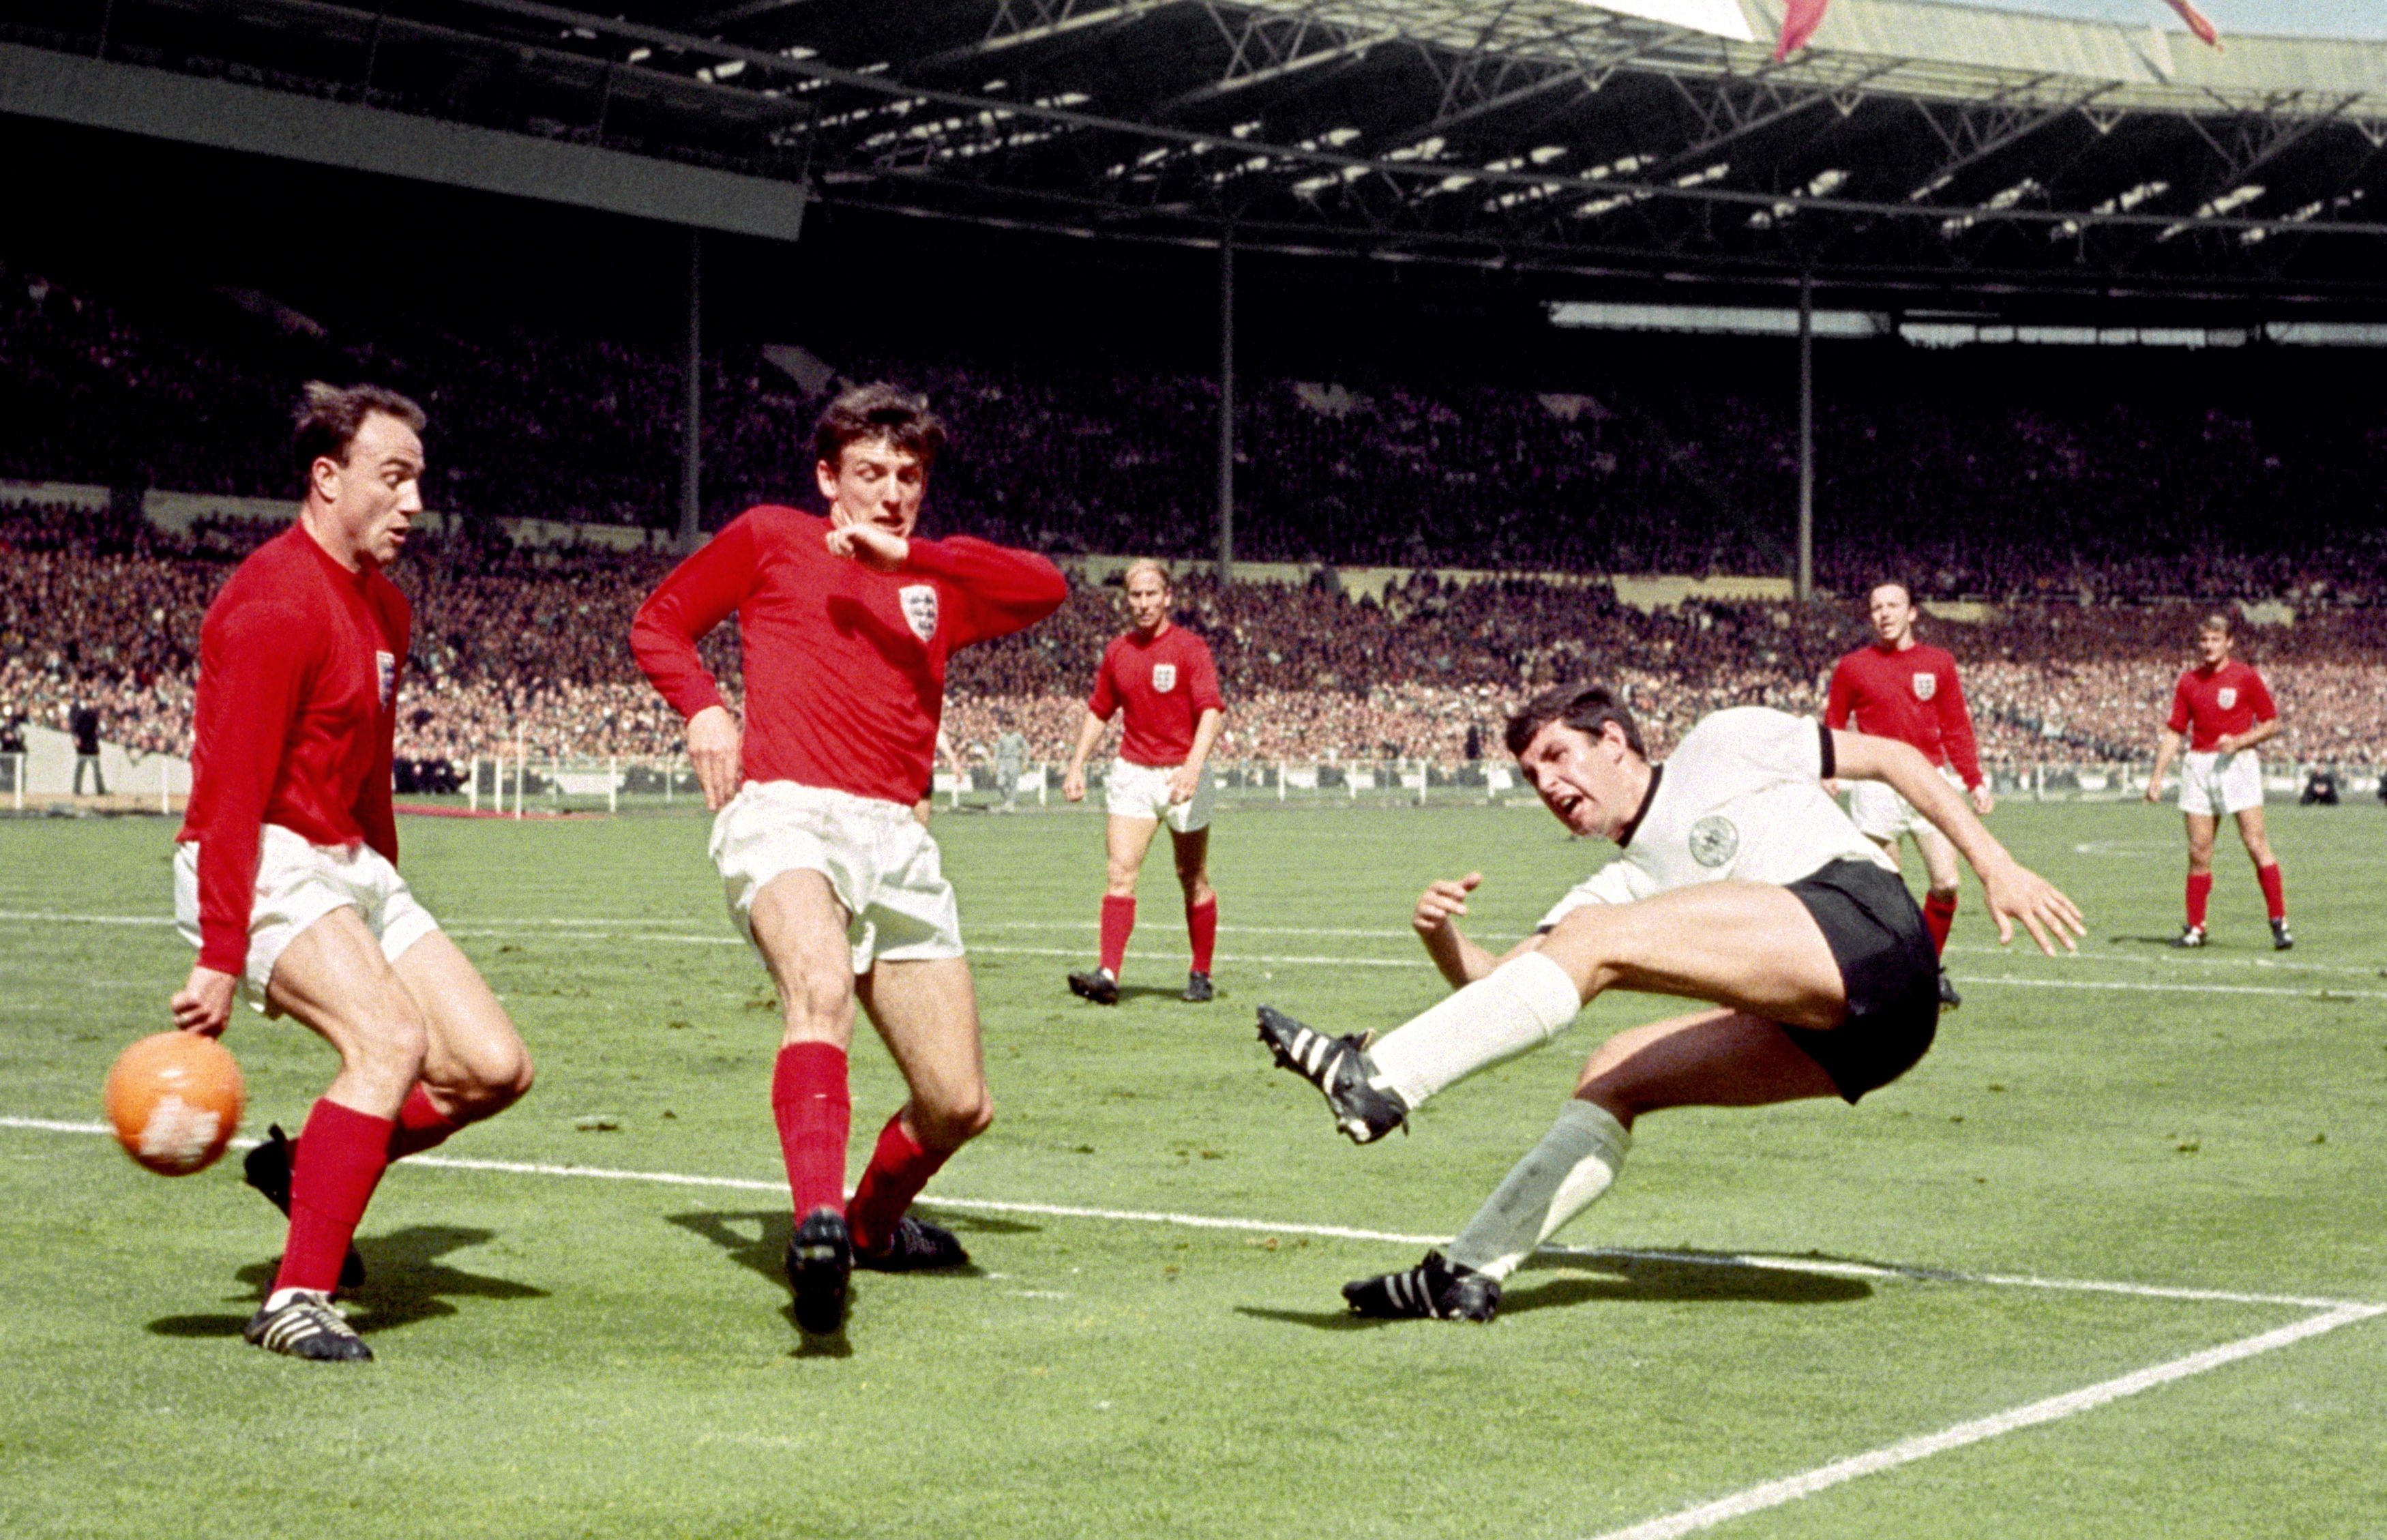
1571 1166
1518 1005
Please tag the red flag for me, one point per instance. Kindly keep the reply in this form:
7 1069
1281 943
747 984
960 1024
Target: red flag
1800 17
2198 22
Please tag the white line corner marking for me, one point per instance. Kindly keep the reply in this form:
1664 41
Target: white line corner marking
1756 1499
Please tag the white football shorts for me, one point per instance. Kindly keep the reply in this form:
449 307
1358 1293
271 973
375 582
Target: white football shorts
2212 783
299 884
878 859
1880 814
1142 791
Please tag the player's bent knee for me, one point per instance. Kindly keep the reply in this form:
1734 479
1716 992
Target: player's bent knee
949 1125
494 1082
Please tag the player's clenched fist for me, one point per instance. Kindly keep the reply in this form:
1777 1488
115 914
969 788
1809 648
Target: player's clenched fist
878 549
1443 902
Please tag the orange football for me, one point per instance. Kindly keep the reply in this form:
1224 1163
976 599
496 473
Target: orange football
175 1102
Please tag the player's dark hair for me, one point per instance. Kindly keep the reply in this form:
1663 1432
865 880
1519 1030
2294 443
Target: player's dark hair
329 416
1586 707
878 410
1900 583
2219 620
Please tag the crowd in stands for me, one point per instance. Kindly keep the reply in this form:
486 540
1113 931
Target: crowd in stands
2056 516
2003 486
529 653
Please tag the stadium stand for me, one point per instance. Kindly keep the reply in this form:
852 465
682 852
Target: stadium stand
2087 519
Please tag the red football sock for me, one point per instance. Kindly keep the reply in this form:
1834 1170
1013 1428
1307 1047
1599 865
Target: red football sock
898 1167
1202 929
1119 924
2199 887
421 1126
2274 893
334 1166
815 1111
1938 913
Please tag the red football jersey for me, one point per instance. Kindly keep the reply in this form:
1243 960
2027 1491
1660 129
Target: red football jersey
298 696
845 667
1910 695
1166 684
2212 702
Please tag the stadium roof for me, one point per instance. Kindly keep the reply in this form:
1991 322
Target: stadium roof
1916 152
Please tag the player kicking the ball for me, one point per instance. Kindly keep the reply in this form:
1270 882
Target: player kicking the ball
846 625
1741 884
284 872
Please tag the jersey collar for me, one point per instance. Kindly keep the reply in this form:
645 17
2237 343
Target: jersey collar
1633 826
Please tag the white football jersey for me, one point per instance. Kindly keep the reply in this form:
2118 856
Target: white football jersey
1741 799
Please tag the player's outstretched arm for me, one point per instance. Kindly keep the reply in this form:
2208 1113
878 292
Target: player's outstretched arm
1459 960
2015 893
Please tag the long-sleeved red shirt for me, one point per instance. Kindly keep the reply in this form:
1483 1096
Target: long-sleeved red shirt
1910 695
845 667
297 696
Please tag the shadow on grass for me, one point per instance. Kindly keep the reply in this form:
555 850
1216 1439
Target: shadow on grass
405 1282
2164 941
1678 1279
758 1242
1171 993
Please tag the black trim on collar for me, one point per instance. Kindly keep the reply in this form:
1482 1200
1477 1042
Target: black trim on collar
1633 826
1831 764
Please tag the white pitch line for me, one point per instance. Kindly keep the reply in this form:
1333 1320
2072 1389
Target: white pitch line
1341 1233
86 920
2164 957
613 931
2306 991
1774 1494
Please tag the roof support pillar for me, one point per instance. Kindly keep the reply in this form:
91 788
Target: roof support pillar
691 426
1804 586
1226 405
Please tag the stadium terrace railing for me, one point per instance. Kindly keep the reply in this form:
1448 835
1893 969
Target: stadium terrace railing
526 786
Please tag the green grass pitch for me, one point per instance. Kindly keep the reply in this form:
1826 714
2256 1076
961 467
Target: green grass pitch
1152 1344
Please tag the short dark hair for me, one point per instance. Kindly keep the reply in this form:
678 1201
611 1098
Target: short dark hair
1587 708
878 410
1900 583
328 418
